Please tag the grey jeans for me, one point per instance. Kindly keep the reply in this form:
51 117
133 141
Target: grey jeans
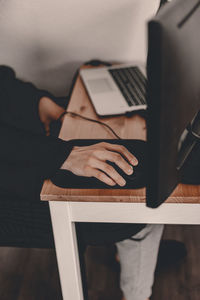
138 257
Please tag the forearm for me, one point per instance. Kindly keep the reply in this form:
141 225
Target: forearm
27 156
19 146
27 159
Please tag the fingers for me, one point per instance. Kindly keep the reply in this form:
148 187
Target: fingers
101 176
122 150
110 171
91 161
117 159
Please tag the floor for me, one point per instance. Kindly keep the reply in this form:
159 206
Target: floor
32 274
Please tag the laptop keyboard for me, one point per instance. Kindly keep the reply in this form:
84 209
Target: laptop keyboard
131 83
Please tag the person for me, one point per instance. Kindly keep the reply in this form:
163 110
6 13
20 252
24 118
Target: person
29 153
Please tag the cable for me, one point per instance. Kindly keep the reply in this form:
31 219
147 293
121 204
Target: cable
90 120
94 62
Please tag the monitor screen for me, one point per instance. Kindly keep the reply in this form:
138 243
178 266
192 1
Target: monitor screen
173 93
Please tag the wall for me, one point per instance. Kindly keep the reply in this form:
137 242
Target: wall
46 40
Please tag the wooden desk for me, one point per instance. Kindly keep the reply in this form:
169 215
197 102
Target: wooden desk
124 206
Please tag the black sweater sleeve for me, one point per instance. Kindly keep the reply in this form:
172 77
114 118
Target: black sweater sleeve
27 156
26 160
19 102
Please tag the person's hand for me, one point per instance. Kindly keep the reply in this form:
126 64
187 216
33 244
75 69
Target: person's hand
91 161
49 111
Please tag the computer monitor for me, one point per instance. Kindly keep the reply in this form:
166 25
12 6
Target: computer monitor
173 94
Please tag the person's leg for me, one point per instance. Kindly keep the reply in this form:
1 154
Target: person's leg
138 257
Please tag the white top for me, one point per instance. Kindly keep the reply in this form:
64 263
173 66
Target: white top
46 40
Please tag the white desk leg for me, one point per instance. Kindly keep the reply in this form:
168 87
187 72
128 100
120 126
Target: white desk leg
66 251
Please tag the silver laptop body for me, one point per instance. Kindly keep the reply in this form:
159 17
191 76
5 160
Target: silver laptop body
116 90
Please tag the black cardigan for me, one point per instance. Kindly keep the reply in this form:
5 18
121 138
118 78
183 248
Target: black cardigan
27 157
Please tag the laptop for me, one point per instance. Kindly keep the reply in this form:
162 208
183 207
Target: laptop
116 90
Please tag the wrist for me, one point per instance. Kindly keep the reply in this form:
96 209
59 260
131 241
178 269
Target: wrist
68 162
66 165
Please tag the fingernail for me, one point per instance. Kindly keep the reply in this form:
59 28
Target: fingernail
134 162
122 182
130 170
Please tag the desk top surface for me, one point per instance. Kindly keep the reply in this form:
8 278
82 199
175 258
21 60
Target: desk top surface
133 127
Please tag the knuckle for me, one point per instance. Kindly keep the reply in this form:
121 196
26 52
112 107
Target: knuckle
108 169
117 176
100 176
96 152
123 149
118 147
118 179
117 157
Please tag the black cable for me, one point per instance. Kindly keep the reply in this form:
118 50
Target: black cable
90 120
94 62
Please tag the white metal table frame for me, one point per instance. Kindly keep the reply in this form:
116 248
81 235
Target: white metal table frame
65 214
